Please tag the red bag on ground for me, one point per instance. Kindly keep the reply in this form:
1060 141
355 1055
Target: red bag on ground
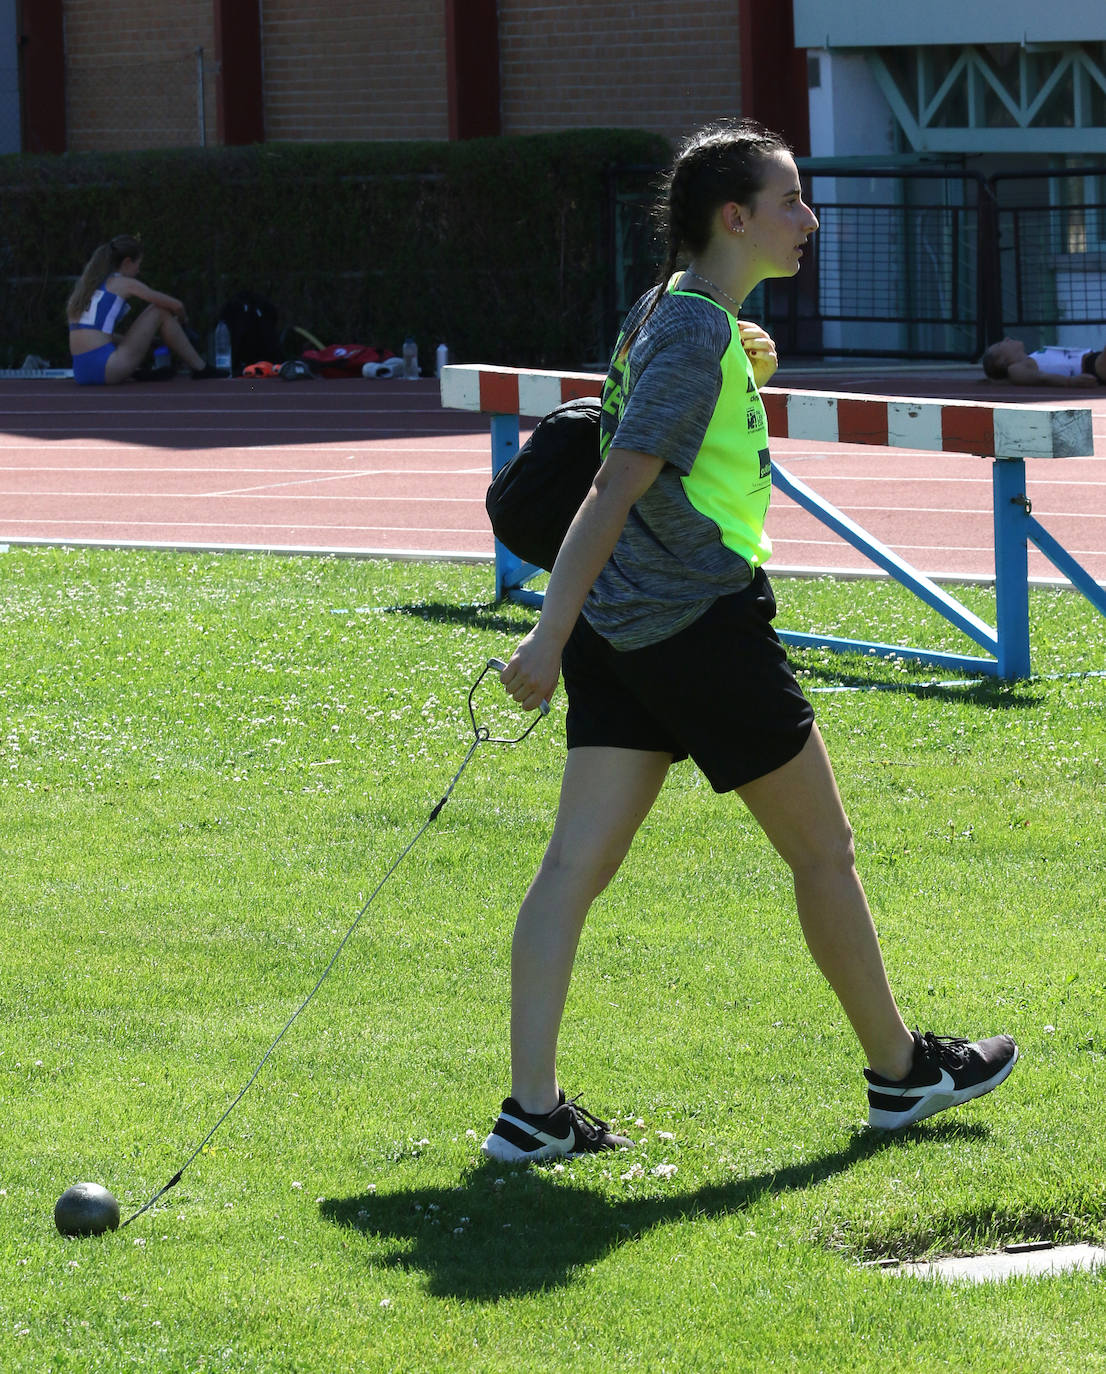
344 360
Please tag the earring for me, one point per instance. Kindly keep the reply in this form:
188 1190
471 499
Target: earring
738 228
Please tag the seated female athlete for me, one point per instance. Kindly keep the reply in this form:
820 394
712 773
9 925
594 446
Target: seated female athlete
101 357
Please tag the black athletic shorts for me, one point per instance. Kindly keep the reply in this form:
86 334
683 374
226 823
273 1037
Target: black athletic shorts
720 692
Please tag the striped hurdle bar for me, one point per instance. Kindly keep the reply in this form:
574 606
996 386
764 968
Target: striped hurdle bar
1007 434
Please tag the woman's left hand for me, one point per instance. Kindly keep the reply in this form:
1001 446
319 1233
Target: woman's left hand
760 349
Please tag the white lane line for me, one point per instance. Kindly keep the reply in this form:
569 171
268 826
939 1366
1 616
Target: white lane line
147 496
160 471
281 427
244 525
1050 514
330 477
906 478
101 446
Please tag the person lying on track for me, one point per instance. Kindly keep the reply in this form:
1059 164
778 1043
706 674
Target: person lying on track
1053 365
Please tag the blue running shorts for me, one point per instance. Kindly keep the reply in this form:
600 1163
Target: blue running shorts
89 368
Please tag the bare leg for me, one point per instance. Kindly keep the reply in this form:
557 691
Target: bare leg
179 344
133 347
128 357
799 808
605 796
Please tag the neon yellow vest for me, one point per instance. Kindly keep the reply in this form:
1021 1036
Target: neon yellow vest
731 481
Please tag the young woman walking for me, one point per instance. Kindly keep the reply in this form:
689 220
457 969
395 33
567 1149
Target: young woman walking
659 612
100 300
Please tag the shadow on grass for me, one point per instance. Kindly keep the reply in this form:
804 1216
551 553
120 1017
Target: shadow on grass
506 1231
994 694
988 692
503 618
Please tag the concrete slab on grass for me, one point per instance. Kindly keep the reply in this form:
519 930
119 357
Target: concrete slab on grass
1016 1261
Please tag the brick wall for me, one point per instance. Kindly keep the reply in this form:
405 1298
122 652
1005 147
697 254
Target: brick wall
132 79
365 69
662 65
354 70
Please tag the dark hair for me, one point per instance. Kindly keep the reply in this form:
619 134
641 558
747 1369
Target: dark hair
992 367
719 163
108 258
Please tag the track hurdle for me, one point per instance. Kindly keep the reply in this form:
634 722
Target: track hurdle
1006 434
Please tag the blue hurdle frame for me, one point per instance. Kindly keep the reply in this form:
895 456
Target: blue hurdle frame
511 572
1007 642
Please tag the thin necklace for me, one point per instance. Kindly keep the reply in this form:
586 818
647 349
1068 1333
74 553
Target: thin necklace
699 276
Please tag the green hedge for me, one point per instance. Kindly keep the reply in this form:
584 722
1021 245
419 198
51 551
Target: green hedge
498 246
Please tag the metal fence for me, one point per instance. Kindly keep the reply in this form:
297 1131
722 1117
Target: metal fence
911 262
1052 255
10 122
133 105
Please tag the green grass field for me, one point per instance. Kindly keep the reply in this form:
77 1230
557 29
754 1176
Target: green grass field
209 762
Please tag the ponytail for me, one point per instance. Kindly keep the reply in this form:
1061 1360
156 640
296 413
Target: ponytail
717 164
108 258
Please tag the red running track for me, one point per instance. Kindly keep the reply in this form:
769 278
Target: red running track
377 467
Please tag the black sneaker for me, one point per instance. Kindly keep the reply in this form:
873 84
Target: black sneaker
518 1137
946 1071
209 373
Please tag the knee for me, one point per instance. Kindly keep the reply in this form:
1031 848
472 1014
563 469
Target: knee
826 852
582 870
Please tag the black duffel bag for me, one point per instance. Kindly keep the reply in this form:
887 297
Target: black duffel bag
533 498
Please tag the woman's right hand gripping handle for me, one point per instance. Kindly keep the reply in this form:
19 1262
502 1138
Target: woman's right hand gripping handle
531 676
535 667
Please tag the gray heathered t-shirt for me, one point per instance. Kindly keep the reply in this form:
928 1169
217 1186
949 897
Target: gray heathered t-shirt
669 565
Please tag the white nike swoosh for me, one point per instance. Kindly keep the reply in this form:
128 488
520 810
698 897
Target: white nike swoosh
945 1083
546 1137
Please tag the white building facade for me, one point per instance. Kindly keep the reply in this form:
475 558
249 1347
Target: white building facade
980 92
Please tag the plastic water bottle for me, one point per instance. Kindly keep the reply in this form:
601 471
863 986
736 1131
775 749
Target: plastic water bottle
410 360
441 359
222 347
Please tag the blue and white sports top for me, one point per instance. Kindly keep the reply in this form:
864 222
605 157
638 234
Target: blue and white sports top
105 309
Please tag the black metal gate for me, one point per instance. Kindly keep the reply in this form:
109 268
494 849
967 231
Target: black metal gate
909 262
